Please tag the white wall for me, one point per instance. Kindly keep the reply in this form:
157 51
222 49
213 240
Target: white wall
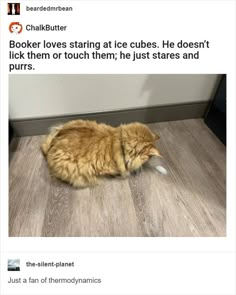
33 96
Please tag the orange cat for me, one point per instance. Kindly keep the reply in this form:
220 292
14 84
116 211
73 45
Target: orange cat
79 152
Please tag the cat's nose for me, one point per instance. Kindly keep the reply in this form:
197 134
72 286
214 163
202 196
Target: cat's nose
136 172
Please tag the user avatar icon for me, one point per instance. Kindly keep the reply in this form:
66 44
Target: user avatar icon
15 28
13 265
13 8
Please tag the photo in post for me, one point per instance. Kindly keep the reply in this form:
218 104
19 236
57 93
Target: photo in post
143 172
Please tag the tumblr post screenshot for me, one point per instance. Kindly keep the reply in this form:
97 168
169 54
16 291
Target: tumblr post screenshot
117 154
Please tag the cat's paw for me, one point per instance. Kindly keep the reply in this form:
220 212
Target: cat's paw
125 174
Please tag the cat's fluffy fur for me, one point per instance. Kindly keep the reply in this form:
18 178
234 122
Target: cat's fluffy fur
79 152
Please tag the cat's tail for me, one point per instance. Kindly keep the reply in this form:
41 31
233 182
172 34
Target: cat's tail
46 144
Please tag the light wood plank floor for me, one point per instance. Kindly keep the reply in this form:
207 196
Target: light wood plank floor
189 201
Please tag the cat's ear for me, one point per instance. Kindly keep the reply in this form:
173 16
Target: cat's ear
154 152
156 136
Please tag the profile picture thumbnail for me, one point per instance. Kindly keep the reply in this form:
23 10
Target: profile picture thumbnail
13 265
13 8
15 28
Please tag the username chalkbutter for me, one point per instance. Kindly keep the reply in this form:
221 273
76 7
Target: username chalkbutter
46 27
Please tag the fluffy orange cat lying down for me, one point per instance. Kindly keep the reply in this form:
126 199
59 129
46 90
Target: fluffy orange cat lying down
79 152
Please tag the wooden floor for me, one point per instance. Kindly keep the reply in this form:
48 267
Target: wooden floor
189 201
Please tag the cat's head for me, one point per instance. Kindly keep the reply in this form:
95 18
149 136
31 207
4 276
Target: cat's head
138 144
